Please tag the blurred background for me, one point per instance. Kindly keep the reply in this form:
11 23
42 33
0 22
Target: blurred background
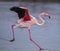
34 0
47 36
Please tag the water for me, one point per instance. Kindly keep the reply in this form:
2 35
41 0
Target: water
47 36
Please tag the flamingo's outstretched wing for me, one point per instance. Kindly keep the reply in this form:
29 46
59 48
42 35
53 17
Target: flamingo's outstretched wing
22 12
27 17
19 11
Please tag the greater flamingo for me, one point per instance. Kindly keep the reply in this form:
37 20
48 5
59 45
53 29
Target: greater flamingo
26 21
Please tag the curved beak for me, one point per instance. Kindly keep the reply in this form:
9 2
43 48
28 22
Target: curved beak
49 17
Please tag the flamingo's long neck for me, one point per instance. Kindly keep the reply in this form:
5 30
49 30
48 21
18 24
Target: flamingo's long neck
42 21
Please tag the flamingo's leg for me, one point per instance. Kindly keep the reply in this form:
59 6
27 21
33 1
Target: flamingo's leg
13 37
34 41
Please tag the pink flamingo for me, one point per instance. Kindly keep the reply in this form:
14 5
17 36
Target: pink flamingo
26 21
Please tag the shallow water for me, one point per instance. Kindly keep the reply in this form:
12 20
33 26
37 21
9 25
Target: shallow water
47 36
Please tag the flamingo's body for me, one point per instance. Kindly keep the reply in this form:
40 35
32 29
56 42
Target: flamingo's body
26 21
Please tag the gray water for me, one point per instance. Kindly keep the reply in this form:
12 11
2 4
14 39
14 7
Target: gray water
47 36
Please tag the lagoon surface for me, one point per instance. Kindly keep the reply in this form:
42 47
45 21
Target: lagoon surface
47 36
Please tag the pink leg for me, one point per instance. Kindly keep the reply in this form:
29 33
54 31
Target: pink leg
34 41
12 33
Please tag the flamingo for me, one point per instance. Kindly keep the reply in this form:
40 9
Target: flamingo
25 20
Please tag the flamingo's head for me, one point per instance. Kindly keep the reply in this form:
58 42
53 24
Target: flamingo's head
45 14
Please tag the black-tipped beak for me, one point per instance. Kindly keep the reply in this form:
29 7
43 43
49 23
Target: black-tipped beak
49 17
